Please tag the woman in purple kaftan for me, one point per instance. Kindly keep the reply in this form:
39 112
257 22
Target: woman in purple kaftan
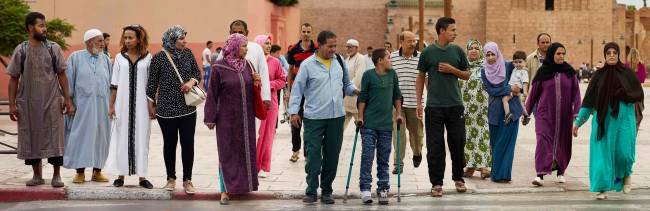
230 109
555 100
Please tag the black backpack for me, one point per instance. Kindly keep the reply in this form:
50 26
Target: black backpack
23 55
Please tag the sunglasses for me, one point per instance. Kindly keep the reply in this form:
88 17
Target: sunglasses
132 26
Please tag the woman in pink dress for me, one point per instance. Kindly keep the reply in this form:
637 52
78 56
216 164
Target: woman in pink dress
267 127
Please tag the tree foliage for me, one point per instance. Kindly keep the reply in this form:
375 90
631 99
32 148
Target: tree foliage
12 27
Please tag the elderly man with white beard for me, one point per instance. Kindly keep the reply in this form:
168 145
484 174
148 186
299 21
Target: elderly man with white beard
87 132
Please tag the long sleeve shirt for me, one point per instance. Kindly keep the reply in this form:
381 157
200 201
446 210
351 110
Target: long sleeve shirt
256 56
322 89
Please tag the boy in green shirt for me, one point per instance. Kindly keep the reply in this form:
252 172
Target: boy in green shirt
379 94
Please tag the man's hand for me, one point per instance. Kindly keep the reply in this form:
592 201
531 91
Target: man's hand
13 112
359 122
356 92
69 108
287 95
419 111
210 125
575 130
445 68
267 104
295 121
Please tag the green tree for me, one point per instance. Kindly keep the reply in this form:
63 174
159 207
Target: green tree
58 30
12 28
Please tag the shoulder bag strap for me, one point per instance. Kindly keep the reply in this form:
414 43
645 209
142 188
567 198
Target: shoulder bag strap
174 65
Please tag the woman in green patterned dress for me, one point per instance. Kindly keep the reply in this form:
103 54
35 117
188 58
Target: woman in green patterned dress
475 99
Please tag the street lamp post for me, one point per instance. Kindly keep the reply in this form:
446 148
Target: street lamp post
421 23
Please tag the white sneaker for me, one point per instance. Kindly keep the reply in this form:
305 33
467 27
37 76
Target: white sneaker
263 174
366 197
561 179
538 181
601 196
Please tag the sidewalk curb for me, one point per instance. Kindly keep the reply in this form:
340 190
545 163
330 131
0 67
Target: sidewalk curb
31 194
14 194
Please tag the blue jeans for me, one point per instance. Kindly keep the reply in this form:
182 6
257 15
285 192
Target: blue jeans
371 140
207 70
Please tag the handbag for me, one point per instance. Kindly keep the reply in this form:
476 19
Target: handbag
196 95
260 110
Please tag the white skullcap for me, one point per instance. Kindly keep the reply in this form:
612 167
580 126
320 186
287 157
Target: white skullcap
353 42
92 34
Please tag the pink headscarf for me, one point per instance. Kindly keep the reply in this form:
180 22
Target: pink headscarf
231 51
261 39
495 73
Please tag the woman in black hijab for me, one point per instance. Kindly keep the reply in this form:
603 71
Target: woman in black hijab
610 97
555 96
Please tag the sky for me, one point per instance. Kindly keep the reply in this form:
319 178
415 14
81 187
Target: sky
637 3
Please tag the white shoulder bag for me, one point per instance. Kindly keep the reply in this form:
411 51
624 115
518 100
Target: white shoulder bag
196 95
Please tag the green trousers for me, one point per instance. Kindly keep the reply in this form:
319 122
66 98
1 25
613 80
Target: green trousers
323 139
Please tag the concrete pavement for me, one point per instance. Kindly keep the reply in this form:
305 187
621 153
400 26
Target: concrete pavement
287 179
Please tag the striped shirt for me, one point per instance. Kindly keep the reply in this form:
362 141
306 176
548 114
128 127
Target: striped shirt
407 72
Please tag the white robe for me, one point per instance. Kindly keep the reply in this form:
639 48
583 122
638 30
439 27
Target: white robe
119 161
87 133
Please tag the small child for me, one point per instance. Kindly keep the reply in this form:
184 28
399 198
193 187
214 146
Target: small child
379 94
519 78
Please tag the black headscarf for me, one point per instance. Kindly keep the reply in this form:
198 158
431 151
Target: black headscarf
610 85
549 67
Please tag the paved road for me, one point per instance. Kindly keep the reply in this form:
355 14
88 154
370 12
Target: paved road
639 200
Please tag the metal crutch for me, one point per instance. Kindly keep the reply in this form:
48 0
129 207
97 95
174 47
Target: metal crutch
354 148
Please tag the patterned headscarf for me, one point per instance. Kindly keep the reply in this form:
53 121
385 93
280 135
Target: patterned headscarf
170 37
479 61
231 51
495 73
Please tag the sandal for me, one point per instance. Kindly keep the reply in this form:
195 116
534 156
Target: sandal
224 200
485 173
436 191
469 172
294 158
460 187
118 183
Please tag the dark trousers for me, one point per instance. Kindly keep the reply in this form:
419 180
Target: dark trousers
323 139
55 161
295 131
171 128
436 121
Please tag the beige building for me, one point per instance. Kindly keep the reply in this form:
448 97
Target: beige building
583 26
203 20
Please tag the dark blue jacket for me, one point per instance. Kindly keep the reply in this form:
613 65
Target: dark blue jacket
496 114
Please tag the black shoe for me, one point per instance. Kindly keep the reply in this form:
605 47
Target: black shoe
400 170
310 199
118 183
327 199
417 160
146 184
